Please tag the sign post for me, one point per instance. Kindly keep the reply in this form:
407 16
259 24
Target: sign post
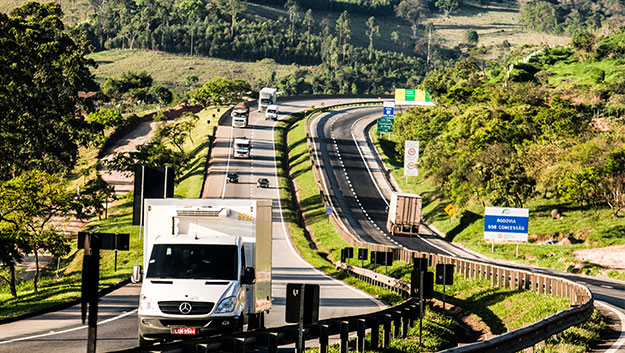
509 224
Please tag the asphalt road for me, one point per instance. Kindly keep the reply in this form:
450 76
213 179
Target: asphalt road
62 331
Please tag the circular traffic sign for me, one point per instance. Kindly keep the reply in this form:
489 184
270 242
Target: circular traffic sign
411 151
410 165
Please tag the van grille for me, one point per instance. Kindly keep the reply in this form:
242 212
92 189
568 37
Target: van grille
197 308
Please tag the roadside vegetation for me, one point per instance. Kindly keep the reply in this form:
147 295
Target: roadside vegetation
552 141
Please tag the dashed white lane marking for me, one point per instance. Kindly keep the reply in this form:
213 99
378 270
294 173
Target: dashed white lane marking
606 286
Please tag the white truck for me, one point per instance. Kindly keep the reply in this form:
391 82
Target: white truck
240 115
272 112
208 267
241 147
266 97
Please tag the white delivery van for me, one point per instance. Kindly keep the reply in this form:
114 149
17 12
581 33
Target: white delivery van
272 112
207 267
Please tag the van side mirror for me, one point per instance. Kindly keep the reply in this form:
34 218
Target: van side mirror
249 276
136 274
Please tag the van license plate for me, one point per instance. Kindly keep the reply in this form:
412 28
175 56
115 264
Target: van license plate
184 330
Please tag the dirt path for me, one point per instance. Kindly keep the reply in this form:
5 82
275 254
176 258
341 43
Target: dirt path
123 182
610 257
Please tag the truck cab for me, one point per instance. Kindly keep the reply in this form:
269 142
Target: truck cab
207 267
240 115
272 112
241 147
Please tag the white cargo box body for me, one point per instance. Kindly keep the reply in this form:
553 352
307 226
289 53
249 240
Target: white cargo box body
217 220
404 214
266 97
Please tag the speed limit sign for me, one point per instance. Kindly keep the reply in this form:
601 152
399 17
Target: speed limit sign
411 157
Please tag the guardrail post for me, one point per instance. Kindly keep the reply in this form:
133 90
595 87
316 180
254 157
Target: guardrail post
386 340
344 336
272 342
323 339
360 330
506 279
396 324
375 332
404 322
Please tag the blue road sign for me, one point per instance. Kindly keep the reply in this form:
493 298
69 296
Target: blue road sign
389 112
328 210
506 223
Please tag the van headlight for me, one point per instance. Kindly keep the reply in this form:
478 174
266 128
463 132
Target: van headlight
146 304
226 305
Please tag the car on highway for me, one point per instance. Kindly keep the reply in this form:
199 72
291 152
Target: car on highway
262 183
232 178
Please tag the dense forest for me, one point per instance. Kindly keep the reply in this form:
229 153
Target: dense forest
502 143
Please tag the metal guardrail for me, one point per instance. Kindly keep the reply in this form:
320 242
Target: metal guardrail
396 321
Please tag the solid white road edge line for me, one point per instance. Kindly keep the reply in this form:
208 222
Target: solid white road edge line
69 330
292 247
621 340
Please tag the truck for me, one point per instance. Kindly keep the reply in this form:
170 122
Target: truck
271 112
240 115
404 214
241 147
208 267
266 97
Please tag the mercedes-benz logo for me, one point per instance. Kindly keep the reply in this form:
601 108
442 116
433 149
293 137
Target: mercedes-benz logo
185 307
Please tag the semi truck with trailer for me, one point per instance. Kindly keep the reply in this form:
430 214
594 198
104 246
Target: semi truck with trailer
207 267
240 115
266 97
241 147
404 214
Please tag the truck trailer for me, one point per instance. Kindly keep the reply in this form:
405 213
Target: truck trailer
240 115
404 214
207 267
266 97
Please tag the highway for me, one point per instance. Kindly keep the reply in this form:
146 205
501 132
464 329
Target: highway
117 329
344 133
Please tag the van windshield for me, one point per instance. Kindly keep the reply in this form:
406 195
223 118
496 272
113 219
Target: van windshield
190 261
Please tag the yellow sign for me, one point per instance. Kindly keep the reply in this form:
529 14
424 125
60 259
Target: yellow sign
450 209
406 96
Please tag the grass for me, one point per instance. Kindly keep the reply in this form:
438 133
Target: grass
66 287
582 73
593 229
171 70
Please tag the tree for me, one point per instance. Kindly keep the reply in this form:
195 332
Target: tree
343 27
309 23
585 42
412 11
220 91
235 7
373 29
294 17
103 119
613 181
448 6
29 205
42 68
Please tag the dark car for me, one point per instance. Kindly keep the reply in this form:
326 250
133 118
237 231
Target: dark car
232 178
262 183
